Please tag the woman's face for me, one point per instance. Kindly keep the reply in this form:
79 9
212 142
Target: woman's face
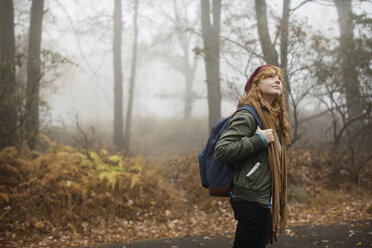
271 86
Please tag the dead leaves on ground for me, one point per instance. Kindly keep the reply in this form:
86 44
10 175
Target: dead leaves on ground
65 198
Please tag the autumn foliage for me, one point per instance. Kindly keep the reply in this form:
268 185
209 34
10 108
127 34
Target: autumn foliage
69 197
63 188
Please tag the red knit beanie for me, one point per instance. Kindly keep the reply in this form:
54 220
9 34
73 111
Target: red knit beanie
250 79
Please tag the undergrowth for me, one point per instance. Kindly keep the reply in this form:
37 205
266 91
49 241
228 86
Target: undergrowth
64 188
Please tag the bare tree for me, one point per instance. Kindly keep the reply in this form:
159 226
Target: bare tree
188 68
348 142
211 41
294 38
347 152
268 48
33 72
349 62
270 54
184 36
118 77
8 108
284 46
128 122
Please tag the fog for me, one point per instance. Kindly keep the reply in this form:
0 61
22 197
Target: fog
82 86
74 172
87 88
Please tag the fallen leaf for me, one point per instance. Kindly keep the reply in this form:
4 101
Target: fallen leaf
5 197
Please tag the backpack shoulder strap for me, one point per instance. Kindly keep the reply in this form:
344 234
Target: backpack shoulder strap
251 110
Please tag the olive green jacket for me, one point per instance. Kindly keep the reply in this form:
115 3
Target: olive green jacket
243 148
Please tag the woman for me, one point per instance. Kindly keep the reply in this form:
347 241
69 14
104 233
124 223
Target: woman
258 156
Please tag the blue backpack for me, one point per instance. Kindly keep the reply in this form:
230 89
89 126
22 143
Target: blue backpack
215 175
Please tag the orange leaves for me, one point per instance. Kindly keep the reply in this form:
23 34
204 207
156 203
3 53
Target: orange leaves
5 197
329 207
71 198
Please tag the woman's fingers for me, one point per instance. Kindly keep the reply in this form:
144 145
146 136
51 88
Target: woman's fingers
269 135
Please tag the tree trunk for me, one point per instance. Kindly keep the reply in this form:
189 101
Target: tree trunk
211 33
33 72
188 95
118 77
349 65
188 69
284 49
189 72
128 123
268 49
8 108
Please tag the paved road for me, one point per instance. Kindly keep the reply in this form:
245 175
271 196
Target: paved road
348 235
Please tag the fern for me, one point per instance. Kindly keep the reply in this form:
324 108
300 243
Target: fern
85 163
8 170
135 179
70 183
116 168
137 168
110 176
116 159
94 156
103 152
45 138
8 153
68 149
102 167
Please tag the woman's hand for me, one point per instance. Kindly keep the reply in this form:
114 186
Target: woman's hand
268 134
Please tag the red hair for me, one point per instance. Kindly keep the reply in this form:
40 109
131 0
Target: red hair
278 113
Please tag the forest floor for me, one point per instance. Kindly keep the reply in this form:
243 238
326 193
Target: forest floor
342 235
76 198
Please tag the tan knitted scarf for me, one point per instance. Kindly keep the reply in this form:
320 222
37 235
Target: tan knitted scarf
278 169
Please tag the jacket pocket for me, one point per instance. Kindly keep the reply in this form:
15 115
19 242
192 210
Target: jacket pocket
250 175
253 170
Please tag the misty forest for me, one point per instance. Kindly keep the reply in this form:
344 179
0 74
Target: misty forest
105 105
